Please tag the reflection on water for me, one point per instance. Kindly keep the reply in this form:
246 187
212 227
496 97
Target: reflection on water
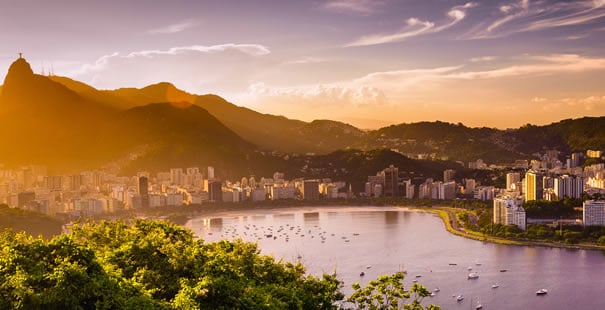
385 240
311 217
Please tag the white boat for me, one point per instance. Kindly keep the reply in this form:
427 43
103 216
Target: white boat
469 268
459 297
495 285
542 291
436 290
473 275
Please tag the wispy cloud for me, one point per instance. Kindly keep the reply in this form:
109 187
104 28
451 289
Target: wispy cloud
174 28
483 59
415 27
304 60
525 16
250 49
363 7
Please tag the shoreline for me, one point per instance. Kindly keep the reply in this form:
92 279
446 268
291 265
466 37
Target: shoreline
180 216
445 215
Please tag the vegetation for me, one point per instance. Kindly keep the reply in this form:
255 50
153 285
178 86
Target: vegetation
34 223
388 292
159 265
551 209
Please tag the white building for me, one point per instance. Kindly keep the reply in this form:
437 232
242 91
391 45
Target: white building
568 186
593 213
509 211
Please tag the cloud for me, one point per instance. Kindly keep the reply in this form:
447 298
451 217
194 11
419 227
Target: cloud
538 99
174 28
483 59
304 60
219 69
537 15
250 49
415 27
363 7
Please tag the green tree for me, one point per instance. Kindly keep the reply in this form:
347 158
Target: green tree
388 292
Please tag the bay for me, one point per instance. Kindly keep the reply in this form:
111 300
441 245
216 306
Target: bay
384 240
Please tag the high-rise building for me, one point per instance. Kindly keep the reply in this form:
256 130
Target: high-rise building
143 190
448 175
593 212
391 181
512 178
568 186
533 185
215 190
310 190
210 172
469 186
509 211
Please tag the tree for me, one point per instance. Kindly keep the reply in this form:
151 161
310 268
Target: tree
388 292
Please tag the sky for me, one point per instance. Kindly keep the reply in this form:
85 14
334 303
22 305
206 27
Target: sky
370 63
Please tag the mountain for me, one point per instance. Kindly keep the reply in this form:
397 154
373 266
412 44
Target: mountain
70 126
269 132
177 136
41 119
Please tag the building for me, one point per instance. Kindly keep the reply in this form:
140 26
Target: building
391 181
512 178
568 186
447 190
594 153
448 175
310 190
593 213
469 186
533 185
215 191
509 211
143 190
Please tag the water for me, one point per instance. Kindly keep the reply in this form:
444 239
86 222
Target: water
386 240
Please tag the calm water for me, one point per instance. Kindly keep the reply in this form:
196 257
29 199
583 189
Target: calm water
384 240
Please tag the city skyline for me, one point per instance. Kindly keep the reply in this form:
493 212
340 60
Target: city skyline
368 63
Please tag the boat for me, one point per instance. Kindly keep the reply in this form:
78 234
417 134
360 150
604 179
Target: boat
459 297
495 285
473 275
542 291
368 266
418 275
436 290
362 274
503 270
469 268
453 264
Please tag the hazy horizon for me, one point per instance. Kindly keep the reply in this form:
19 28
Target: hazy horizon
367 63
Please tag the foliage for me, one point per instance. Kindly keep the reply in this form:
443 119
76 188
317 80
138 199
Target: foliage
388 292
33 223
551 209
151 265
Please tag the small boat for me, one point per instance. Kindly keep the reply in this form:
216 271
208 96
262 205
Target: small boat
503 270
495 285
459 297
478 306
362 274
436 290
368 266
453 264
478 263
473 275
414 281
469 268
542 291
418 275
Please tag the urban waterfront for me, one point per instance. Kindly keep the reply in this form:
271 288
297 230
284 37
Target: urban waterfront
384 240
